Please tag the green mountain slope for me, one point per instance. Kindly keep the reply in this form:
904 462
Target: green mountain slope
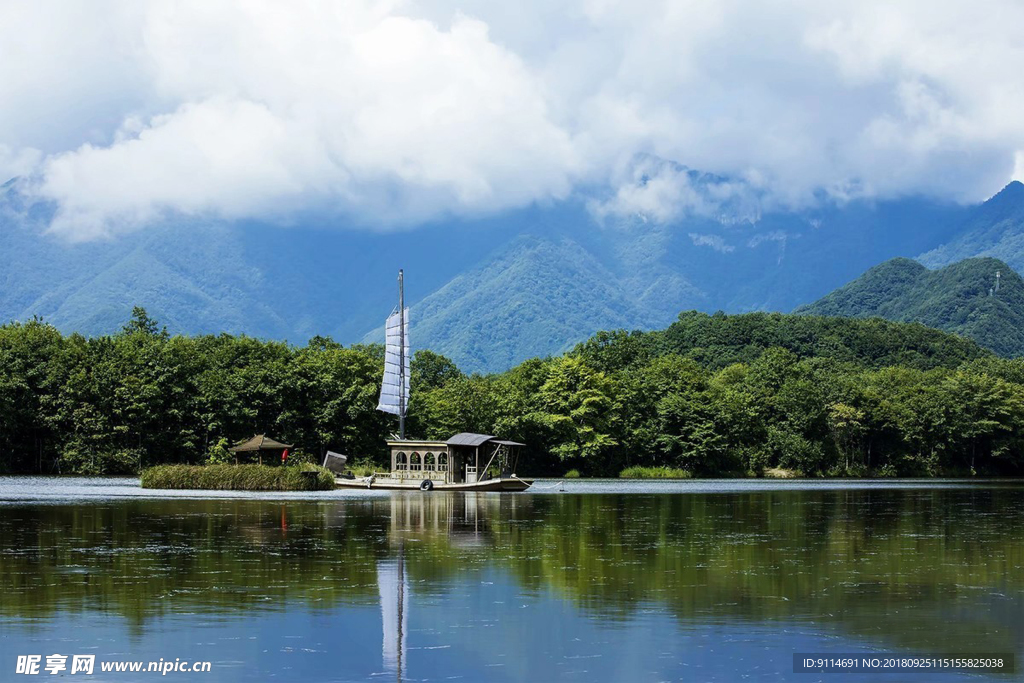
959 298
995 228
535 297
489 292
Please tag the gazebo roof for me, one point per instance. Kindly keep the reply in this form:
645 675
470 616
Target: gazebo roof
473 440
260 442
469 439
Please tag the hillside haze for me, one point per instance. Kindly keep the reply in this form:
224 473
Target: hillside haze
486 292
962 298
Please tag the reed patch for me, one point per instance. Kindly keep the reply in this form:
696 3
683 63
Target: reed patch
304 477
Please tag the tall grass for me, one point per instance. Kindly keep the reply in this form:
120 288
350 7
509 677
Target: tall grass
239 477
363 469
639 472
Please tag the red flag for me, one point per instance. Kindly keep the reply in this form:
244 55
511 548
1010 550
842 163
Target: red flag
284 455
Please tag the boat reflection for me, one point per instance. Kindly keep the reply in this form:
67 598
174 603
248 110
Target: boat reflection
463 520
394 608
881 565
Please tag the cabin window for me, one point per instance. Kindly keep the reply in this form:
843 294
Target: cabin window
429 462
442 462
416 462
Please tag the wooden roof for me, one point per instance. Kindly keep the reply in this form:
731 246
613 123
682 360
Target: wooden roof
260 442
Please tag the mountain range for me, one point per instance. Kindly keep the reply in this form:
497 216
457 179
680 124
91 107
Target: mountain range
487 292
978 298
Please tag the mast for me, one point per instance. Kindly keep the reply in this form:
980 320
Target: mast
401 355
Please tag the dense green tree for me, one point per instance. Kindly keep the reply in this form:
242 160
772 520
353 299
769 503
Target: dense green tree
465 404
577 406
846 425
711 394
431 371
141 323
616 350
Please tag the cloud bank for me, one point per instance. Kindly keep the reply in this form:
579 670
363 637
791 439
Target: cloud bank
391 114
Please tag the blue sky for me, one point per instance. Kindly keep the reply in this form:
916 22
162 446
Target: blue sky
393 114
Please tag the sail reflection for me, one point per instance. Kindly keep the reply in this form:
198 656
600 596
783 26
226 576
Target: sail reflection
394 609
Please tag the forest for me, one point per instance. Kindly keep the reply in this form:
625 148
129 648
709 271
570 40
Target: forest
714 395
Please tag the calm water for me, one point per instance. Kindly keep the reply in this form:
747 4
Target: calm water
694 581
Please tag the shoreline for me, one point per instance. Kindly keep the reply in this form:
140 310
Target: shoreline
56 489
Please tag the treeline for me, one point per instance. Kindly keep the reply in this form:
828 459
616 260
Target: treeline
712 394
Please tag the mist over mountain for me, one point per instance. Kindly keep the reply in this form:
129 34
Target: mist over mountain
487 292
962 297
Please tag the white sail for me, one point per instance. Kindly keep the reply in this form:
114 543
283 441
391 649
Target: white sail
394 394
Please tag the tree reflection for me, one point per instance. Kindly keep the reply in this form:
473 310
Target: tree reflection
885 564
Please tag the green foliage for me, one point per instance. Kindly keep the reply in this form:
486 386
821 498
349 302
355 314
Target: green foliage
577 407
719 340
141 323
572 474
431 370
361 469
640 472
238 477
712 395
121 403
958 298
218 454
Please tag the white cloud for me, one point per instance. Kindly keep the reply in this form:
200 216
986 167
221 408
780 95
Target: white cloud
660 191
773 236
716 242
388 118
398 112
17 162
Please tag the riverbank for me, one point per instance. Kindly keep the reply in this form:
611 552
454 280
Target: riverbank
27 488
661 472
238 478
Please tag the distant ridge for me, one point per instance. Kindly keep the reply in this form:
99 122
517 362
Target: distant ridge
536 293
958 298
994 228
488 292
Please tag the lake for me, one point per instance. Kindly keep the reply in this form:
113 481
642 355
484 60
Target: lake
604 581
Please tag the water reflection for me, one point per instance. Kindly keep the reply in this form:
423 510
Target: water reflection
456 519
876 568
394 610
460 520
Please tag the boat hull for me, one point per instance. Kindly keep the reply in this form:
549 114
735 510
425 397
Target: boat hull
385 484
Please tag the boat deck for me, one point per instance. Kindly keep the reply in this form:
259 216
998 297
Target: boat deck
387 484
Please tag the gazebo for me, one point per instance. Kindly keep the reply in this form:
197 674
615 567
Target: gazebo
260 444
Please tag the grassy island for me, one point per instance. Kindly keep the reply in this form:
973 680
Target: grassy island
238 478
641 472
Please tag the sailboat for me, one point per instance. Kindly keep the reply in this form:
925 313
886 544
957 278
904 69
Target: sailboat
465 462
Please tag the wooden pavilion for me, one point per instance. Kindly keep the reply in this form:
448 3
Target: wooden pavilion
260 444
